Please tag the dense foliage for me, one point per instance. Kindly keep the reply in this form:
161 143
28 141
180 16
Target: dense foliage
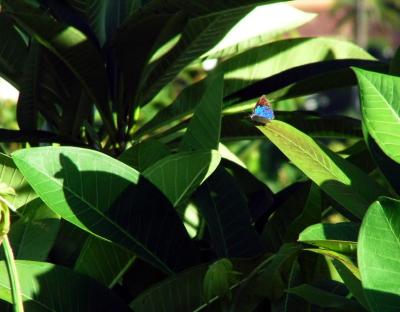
141 205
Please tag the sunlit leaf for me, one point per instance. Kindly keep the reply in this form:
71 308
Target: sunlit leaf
380 105
178 175
78 292
103 196
341 180
379 254
340 237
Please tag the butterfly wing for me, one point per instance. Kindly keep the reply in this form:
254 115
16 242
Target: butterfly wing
262 112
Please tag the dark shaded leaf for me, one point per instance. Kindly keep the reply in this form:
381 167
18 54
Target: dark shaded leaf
224 208
78 292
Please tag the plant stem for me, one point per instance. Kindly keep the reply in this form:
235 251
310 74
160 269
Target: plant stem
13 275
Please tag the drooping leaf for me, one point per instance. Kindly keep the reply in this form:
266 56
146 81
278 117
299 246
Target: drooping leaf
13 50
178 175
78 292
198 36
28 100
380 109
181 108
228 219
344 182
204 128
154 30
97 193
379 254
72 47
104 16
340 237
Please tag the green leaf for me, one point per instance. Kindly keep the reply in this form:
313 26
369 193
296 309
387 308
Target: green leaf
352 282
184 291
266 280
103 261
13 50
379 254
181 108
12 177
33 235
324 299
309 215
260 25
159 28
73 48
389 168
93 191
343 259
224 208
273 58
143 155
238 126
340 237
304 79
259 196
28 100
98 12
380 109
290 204
345 183
187 285
178 175
218 279
33 275
204 128
198 36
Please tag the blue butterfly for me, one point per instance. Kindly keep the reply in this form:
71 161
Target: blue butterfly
262 112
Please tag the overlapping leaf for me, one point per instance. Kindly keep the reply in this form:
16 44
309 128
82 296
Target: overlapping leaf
13 50
224 208
341 237
72 47
65 289
380 106
178 175
12 177
105 197
204 129
103 261
33 235
379 254
276 57
345 183
257 27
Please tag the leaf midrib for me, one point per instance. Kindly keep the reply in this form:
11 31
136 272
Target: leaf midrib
102 215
